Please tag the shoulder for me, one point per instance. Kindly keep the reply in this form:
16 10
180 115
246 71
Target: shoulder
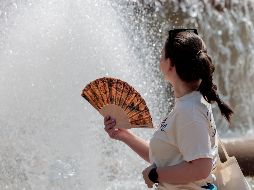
194 109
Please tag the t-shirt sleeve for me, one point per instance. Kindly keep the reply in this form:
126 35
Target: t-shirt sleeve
193 140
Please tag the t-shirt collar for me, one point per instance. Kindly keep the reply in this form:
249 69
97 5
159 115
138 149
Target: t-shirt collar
187 96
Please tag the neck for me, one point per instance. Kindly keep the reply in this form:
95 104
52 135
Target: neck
182 88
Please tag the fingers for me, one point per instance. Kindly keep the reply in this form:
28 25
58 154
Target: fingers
109 126
108 121
149 183
146 179
112 132
149 186
106 118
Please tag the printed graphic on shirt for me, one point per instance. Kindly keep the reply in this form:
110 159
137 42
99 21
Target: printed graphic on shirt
212 126
163 125
213 132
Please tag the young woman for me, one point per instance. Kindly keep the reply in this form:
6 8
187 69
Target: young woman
184 150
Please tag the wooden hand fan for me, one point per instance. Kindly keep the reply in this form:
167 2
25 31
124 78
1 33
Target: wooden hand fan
118 99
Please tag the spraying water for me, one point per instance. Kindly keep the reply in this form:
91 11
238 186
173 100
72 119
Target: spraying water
50 137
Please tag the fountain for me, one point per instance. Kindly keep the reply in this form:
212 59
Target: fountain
50 137
49 50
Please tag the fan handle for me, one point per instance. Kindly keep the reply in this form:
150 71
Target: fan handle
116 112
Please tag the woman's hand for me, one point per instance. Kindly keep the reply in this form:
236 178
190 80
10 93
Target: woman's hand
145 173
115 133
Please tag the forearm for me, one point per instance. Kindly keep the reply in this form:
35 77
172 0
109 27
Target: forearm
185 172
139 145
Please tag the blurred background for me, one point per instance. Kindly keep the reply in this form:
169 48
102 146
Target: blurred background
50 137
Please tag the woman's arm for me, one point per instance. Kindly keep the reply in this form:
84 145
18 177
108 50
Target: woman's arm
185 172
137 144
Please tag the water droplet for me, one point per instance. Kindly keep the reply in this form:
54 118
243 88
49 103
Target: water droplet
63 169
15 5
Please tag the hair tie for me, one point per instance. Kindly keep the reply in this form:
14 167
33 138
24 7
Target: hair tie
201 51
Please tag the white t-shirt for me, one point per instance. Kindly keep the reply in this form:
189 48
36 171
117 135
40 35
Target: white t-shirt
187 133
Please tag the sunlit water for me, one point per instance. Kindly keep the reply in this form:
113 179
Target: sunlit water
49 50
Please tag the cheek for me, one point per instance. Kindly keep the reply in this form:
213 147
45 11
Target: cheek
160 64
163 66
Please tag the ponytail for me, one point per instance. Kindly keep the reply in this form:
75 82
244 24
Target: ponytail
188 53
207 88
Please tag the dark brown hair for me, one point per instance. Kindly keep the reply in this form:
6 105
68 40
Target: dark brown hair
188 53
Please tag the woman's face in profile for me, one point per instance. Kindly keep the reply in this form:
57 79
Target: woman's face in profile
164 64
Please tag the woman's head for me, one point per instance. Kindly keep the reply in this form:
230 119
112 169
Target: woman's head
187 53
